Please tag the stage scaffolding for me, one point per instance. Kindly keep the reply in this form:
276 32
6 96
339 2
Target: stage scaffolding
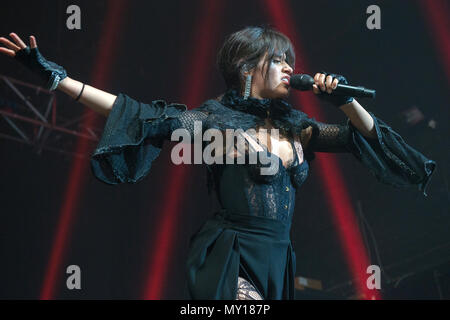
32 116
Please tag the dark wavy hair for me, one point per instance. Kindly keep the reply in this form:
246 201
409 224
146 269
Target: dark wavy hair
246 47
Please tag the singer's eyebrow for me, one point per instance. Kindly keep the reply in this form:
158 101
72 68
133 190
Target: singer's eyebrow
281 56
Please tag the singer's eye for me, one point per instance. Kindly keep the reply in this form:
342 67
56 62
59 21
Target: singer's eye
276 61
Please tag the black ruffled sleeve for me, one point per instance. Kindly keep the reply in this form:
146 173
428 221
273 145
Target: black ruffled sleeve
132 138
388 157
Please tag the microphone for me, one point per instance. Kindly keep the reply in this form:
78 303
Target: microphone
304 82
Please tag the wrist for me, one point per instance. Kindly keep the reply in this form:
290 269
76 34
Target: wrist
350 104
350 109
70 87
81 92
63 83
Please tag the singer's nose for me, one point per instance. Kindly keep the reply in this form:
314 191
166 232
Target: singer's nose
288 69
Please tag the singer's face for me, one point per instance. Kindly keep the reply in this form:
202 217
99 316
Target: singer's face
277 83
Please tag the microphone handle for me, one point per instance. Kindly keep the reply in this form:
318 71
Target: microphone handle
343 89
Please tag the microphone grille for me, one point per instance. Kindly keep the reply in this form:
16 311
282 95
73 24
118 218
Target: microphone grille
301 82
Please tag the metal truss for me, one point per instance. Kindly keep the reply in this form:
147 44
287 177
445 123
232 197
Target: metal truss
42 125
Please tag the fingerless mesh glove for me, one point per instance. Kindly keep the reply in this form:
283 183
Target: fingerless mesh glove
48 71
335 99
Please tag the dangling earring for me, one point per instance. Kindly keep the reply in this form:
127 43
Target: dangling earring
248 86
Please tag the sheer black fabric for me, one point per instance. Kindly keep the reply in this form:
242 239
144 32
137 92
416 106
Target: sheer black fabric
185 120
330 138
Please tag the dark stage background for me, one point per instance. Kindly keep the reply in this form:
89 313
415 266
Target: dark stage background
112 235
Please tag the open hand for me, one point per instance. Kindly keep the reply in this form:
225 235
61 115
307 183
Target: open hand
12 47
30 57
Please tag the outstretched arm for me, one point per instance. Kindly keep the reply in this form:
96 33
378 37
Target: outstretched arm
98 100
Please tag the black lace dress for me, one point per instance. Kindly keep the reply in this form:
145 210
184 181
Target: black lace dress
249 235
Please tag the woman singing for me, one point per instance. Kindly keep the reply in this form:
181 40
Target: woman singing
244 250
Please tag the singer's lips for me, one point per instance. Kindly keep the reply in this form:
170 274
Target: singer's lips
286 79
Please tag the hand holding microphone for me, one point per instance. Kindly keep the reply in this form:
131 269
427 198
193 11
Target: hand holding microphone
331 87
